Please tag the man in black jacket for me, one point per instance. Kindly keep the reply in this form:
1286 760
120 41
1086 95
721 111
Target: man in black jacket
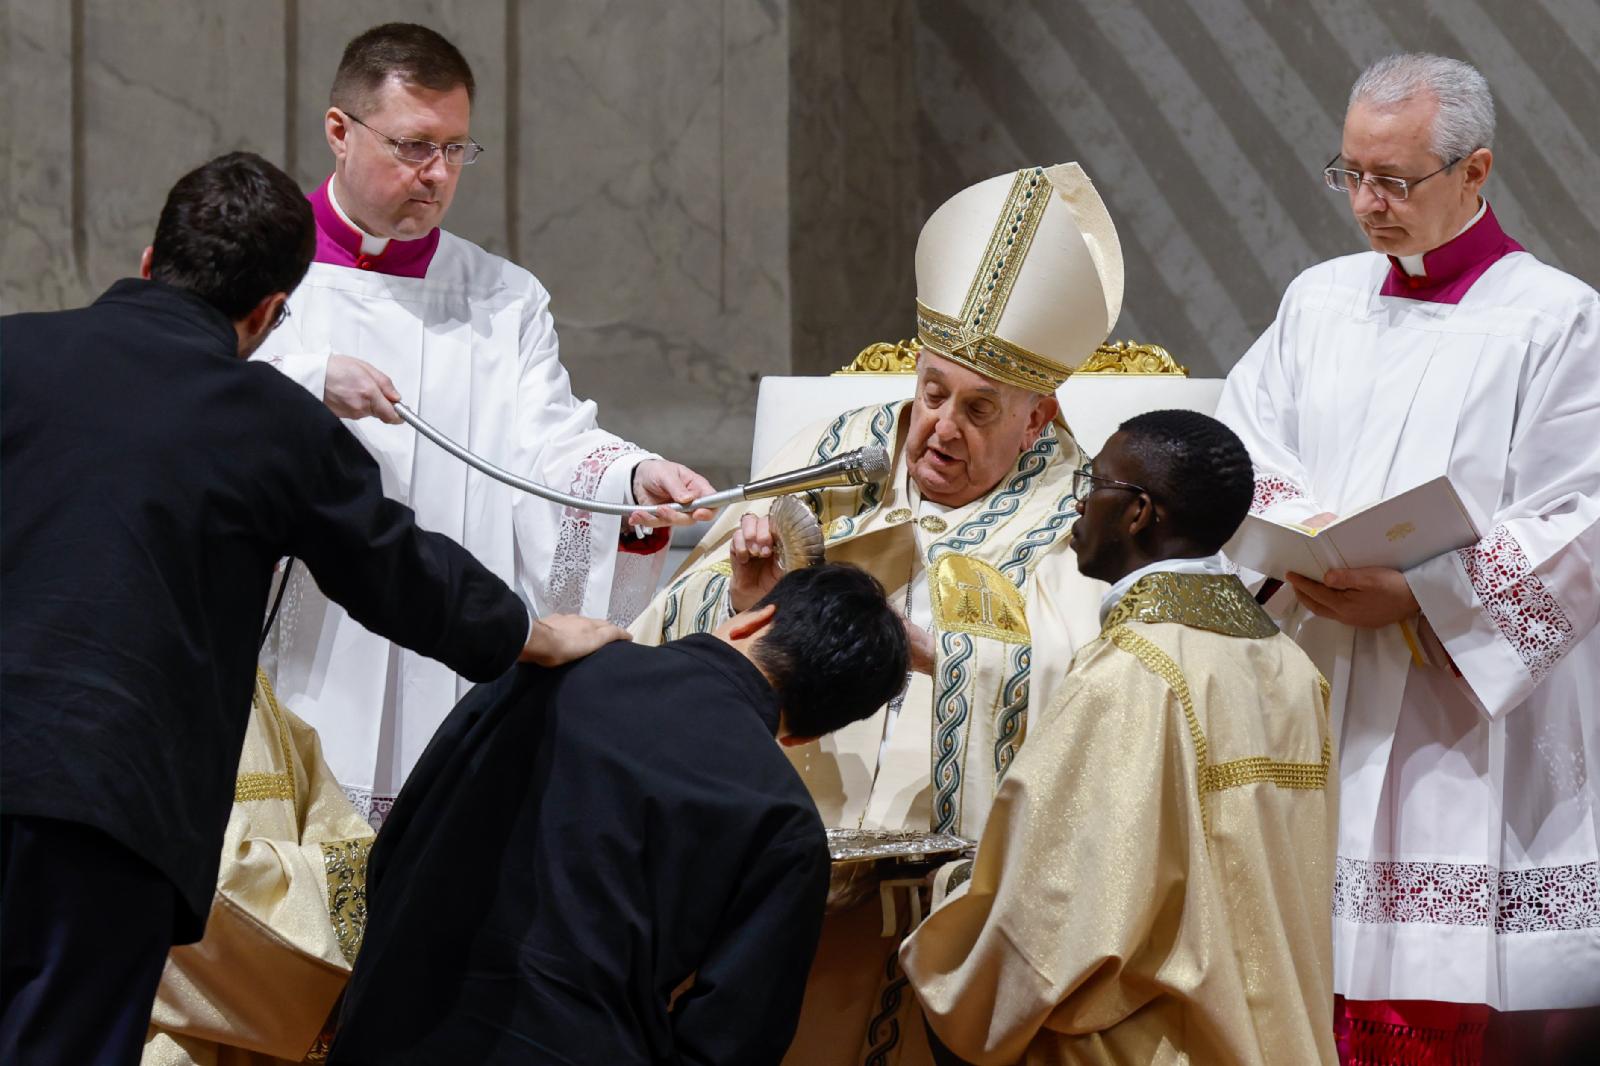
613 863
151 480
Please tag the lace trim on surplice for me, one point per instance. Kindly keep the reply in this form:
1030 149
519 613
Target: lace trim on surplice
1523 609
569 564
1537 899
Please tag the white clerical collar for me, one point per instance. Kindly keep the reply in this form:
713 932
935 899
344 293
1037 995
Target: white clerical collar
1210 564
1412 264
370 245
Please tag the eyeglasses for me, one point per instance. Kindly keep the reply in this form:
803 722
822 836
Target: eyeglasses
280 317
456 154
1349 181
1085 481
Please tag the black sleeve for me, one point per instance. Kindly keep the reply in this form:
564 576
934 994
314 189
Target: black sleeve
745 1002
418 589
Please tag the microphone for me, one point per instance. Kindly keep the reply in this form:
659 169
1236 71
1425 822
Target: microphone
852 468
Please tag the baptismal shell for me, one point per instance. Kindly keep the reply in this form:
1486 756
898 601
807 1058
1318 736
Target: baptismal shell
798 533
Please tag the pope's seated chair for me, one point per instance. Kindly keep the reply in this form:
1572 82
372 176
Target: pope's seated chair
1117 382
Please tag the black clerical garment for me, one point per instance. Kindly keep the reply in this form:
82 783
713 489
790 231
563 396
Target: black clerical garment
149 482
571 848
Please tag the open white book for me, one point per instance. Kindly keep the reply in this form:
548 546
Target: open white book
1398 533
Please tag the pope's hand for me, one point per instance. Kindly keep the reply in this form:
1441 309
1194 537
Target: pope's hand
656 481
1369 597
754 555
922 653
356 389
561 638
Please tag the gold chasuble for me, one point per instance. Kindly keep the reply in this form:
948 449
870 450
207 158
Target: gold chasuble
1154 884
287 918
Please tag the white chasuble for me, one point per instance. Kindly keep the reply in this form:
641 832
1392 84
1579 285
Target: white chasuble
472 348
1468 863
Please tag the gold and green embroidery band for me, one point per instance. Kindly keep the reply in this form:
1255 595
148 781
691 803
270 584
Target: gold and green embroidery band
970 339
1216 602
1008 247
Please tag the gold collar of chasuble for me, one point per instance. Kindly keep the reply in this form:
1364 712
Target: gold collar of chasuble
969 339
1217 602
970 596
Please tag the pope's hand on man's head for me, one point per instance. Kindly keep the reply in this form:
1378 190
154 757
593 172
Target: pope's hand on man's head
657 481
753 553
357 389
561 638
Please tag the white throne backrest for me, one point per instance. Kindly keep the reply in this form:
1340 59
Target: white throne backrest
1117 382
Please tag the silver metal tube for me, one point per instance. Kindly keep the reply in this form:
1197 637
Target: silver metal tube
533 487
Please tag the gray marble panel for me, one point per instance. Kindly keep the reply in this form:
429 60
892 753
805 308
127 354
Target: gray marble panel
652 204
39 265
167 87
854 194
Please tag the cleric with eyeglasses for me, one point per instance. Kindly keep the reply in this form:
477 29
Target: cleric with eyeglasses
1468 863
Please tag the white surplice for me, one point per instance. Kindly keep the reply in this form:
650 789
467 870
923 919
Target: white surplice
1468 863
472 349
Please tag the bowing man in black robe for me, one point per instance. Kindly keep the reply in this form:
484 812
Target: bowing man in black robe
613 862
151 480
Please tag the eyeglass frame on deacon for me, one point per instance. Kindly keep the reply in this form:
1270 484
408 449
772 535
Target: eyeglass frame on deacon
1378 182
1086 471
442 150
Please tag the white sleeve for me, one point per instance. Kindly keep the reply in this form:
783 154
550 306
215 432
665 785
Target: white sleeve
1260 402
1510 607
284 350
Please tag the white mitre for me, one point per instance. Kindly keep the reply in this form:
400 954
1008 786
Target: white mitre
1020 277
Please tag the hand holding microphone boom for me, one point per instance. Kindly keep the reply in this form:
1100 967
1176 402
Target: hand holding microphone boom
852 468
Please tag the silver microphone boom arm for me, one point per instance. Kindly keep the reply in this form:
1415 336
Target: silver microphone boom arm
506 476
852 468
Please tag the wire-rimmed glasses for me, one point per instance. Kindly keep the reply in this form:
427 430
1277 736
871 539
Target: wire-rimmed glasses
1388 188
410 150
1085 481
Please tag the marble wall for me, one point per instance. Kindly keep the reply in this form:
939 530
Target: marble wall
637 162
1206 124
714 190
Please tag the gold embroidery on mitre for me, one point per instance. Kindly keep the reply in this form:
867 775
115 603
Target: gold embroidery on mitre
970 339
970 596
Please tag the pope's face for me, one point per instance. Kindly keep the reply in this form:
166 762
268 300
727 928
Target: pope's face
381 193
967 430
1397 142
